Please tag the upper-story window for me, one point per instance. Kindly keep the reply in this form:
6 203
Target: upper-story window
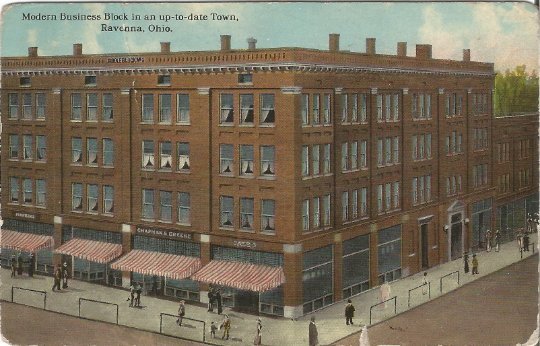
246 109
246 160
24 81
454 143
183 108
13 100
40 106
164 80
388 151
245 78
14 147
421 106
316 109
184 208
226 109
326 159
107 110
41 148
165 106
108 199
305 161
344 157
76 106
268 165
226 211
147 108
76 197
148 154
315 158
268 216
480 138
480 175
92 198
41 192
305 215
246 213
165 204
76 150
226 159
421 189
14 189
327 115
27 147
453 105
363 154
344 108
27 106
91 107
421 147
92 151
28 193
304 108
108 152
183 156
148 196
165 155
90 80
268 114
503 152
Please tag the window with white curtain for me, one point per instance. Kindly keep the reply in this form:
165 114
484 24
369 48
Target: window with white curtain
226 158
107 107
28 193
268 166
268 216
183 150
246 213
92 151
184 208
14 189
226 211
41 148
108 199
14 147
148 154
268 114
246 160
92 198
246 109
76 197
165 155
76 150
27 147
226 109
41 192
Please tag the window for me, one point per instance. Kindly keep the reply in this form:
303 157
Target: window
107 110
316 212
27 191
354 155
108 199
379 108
165 206
27 147
165 106
76 150
91 107
395 104
447 106
24 81
76 197
304 110
268 167
92 151
27 106
388 151
415 191
92 198
246 160
165 155
147 204
326 109
183 108
344 108
246 213
428 145
305 215
13 100
345 206
388 195
396 150
148 155
354 204
326 159
226 157
164 80
90 80
108 152
183 156
305 161
227 208
354 110
363 154
421 189
14 189
76 106
388 107
41 148
184 208
380 152
396 194
246 109
268 215
363 108
268 115
380 198
415 147
344 157
147 108
227 110
315 156
14 147
41 193
316 109
326 210
245 78
363 201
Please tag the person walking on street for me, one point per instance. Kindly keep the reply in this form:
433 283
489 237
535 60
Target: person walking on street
19 264
497 240
181 313
384 293
519 239
31 265
210 299
132 295
57 278
226 326
13 266
138 290
218 301
213 329
488 240
474 264
526 242
349 312
258 336
466 262
65 274
424 284
313 333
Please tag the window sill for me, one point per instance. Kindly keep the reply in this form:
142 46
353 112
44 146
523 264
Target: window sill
146 123
164 221
76 120
164 123
148 220
249 125
148 169
92 212
267 177
40 161
267 125
243 230
412 255
271 233
92 165
185 123
226 175
226 124
107 167
76 164
222 228
77 211
184 172
184 224
41 207
107 215
243 176
164 170
13 160
93 121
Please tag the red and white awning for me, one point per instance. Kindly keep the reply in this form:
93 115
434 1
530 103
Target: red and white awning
26 242
91 250
243 276
159 264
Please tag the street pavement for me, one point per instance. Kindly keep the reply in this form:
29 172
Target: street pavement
276 331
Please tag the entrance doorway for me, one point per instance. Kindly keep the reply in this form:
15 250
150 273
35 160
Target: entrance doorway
246 301
424 245
456 240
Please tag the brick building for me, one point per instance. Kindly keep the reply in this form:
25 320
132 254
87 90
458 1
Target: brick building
290 177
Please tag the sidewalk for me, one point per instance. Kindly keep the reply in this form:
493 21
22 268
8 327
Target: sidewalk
276 331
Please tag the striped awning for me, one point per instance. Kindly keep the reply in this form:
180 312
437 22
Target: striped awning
158 263
26 242
243 276
91 250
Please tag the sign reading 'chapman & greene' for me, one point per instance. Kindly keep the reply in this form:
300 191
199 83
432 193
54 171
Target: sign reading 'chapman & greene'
164 233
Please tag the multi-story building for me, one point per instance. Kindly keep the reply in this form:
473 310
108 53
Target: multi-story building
290 177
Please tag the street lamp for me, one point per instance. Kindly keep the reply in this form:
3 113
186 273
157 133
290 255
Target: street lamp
445 228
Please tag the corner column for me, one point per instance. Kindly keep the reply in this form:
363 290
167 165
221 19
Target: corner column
293 288
373 257
126 247
338 267
57 237
205 259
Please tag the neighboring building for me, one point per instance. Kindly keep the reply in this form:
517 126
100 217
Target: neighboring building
318 174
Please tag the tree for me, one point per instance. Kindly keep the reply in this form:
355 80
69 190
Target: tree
516 92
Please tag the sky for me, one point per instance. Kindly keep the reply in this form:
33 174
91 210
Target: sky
503 33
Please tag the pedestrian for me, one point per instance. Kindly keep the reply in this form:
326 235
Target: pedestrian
488 240
258 336
19 264
497 240
154 286
474 264
65 274
313 334
181 313
466 262
349 312
57 278
526 242
132 295
213 329
519 239
138 290
13 266
218 301
384 293
210 299
226 326
424 284
31 265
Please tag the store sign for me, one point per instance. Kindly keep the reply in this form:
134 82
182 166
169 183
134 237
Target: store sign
244 243
164 233
125 59
25 215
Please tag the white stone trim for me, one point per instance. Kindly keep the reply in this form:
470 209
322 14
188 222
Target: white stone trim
338 91
441 91
293 311
203 91
58 220
291 90
56 91
124 91
126 228
337 238
205 238
373 91
292 248
405 91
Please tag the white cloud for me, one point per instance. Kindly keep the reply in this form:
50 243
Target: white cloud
32 37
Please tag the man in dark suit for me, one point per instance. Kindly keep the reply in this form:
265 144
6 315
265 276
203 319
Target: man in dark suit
313 333
31 265
349 312
57 278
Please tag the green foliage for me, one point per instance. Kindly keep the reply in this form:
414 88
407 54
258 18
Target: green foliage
516 92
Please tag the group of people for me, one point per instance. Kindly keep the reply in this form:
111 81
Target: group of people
135 291
225 325
61 275
523 241
17 265
215 300
490 238
466 263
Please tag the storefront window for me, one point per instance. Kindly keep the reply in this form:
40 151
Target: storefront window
389 254
355 265
481 222
317 278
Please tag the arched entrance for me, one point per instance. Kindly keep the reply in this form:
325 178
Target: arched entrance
455 234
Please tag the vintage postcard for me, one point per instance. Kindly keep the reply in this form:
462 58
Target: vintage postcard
249 173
